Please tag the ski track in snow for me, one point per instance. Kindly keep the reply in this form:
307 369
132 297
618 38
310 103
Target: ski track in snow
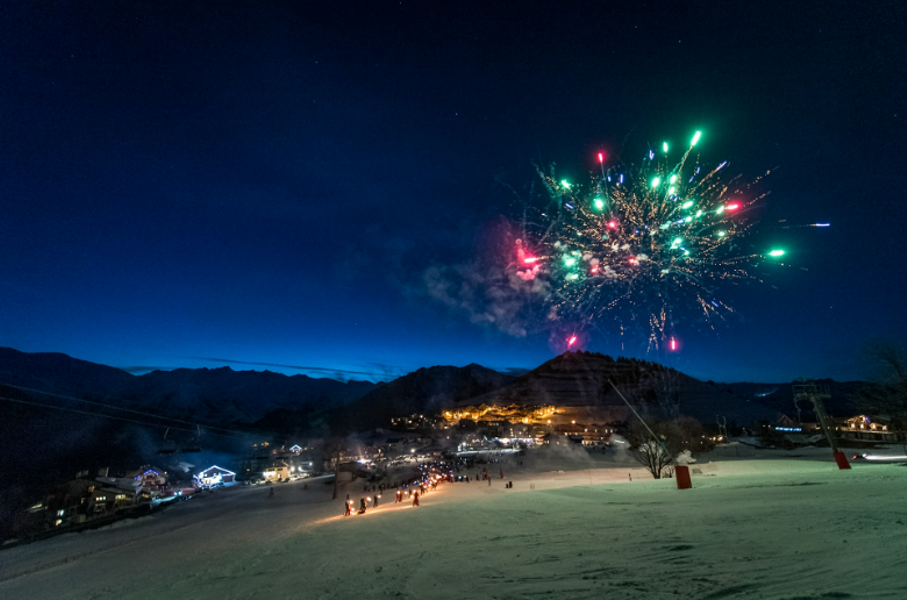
790 529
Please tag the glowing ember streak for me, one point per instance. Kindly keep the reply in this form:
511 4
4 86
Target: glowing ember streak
636 250
623 255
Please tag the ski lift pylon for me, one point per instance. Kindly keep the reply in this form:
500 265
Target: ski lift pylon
167 446
192 446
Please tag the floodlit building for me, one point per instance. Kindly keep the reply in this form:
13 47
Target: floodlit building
108 500
864 428
277 471
215 475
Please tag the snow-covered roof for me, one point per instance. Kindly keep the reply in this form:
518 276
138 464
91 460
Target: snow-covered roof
214 469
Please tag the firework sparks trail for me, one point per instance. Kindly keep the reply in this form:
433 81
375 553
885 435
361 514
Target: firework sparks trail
641 244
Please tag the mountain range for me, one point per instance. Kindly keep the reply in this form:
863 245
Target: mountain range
299 404
222 396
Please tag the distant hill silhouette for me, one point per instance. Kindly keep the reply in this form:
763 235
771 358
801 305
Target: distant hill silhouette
215 396
780 397
61 374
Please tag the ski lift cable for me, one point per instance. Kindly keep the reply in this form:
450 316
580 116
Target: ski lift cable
138 412
646 425
95 414
231 434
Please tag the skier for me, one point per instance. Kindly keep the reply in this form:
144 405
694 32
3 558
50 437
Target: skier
272 493
416 499
362 506
399 496
349 506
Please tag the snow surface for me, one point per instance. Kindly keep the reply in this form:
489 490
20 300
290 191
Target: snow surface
782 525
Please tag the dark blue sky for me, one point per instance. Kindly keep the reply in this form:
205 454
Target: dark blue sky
190 183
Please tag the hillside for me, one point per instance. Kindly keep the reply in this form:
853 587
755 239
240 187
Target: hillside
426 391
579 385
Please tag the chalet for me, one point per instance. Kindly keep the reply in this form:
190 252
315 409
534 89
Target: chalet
517 430
148 477
105 500
215 475
277 471
587 435
864 428
493 427
68 501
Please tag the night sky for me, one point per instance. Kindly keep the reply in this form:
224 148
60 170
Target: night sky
265 185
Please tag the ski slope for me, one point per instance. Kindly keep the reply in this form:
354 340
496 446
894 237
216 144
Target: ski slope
770 527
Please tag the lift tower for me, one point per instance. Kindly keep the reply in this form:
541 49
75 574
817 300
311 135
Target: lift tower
807 389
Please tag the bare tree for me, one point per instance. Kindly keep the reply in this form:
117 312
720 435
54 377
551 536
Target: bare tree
657 453
651 452
886 362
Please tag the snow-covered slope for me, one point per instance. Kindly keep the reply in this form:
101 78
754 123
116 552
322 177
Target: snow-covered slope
770 528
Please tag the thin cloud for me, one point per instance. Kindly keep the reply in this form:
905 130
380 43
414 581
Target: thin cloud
298 367
141 370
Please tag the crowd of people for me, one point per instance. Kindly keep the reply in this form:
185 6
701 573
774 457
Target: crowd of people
423 479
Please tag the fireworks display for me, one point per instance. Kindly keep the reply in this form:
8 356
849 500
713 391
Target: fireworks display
635 247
